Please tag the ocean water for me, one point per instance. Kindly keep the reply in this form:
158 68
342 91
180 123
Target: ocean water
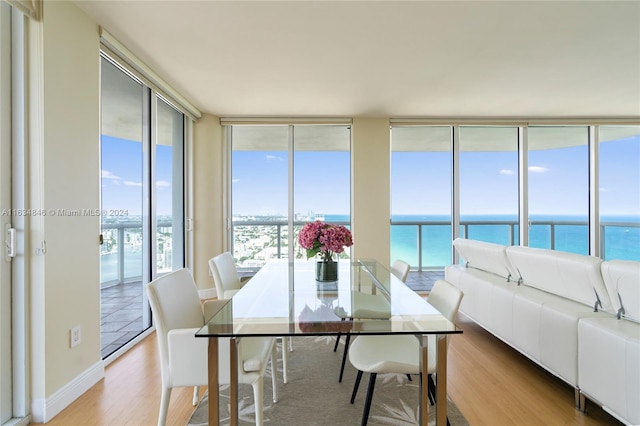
620 242
570 234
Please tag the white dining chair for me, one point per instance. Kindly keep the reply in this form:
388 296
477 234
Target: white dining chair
225 275
228 283
178 314
371 306
399 354
400 269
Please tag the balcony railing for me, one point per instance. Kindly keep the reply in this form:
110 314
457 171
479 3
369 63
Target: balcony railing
121 253
253 246
431 236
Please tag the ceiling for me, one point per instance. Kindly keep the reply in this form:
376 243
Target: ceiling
388 58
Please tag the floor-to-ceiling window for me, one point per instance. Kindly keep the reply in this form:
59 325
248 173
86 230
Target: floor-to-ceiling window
559 188
281 177
169 188
489 183
125 241
142 199
619 192
491 196
421 196
321 176
259 193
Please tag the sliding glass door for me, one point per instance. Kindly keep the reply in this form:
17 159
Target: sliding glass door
125 239
142 215
6 366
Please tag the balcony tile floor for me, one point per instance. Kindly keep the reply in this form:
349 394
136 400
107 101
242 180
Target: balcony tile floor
120 315
121 309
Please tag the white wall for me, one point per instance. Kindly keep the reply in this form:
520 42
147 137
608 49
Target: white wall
370 192
64 174
208 221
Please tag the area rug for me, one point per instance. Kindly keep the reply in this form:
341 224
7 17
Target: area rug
313 395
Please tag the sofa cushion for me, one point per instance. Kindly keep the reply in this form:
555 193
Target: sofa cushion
569 275
622 280
485 256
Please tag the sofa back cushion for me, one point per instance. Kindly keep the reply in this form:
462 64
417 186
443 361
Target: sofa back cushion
622 280
487 257
572 276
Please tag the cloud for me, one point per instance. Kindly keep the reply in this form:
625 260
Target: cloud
604 190
106 174
131 183
538 169
507 172
274 157
235 180
162 184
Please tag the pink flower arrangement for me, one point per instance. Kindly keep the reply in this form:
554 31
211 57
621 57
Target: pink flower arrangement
325 239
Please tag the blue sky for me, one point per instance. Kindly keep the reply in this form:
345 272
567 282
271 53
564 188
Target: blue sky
558 181
260 182
122 176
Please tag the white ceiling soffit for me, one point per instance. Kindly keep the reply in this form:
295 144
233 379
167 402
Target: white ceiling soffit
388 58
499 138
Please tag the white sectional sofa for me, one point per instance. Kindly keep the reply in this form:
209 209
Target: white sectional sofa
577 316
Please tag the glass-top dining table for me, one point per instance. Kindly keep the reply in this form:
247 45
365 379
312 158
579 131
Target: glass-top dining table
284 299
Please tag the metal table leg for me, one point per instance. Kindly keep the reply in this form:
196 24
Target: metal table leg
441 381
233 376
424 384
214 397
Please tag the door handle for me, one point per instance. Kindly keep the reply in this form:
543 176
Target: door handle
10 242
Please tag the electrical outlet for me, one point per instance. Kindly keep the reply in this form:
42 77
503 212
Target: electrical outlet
76 336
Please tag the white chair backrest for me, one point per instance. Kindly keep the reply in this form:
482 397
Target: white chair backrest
400 269
446 298
622 279
225 273
570 275
175 304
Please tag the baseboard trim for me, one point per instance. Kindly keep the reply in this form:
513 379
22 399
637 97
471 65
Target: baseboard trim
45 409
18 421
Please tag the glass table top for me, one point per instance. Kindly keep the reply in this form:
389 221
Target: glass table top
284 299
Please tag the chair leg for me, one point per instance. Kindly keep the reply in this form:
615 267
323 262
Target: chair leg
432 388
285 358
258 392
274 371
164 406
431 391
344 356
335 347
355 386
367 404
196 396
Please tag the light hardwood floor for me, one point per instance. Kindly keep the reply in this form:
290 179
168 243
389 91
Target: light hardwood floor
491 383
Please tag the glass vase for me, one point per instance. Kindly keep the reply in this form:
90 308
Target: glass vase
327 269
